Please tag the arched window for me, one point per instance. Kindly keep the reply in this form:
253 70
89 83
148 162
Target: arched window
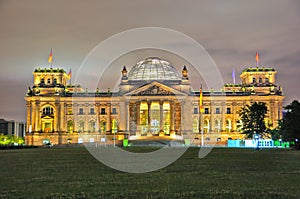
92 126
228 126
195 125
266 80
70 126
48 81
103 126
217 126
260 80
42 81
253 80
48 111
206 126
114 126
81 126
54 81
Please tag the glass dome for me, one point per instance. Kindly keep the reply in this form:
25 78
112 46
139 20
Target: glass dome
153 68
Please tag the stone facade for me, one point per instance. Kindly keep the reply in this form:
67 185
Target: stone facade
148 107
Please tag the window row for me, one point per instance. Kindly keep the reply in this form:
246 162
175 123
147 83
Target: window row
217 110
48 81
216 126
260 80
92 111
92 126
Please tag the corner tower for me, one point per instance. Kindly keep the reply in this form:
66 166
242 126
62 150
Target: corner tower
49 81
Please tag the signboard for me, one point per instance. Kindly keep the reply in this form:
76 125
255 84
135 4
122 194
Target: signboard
234 143
259 143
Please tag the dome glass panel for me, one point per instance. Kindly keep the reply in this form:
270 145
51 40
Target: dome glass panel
153 68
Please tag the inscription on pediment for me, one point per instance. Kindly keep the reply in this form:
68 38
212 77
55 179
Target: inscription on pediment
155 90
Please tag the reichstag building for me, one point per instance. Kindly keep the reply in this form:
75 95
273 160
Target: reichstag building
154 102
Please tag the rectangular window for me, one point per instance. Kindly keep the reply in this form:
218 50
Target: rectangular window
217 110
206 111
195 110
102 111
114 111
80 111
92 111
228 111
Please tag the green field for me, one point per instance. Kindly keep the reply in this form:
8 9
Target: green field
224 173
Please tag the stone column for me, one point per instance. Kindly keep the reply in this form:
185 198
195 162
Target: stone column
127 116
138 112
223 121
56 116
182 123
132 118
28 104
86 120
149 118
33 120
37 118
212 117
177 118
172 111
97 116
233 109
108 123
75 112
62 117
161 121
187 117
122 115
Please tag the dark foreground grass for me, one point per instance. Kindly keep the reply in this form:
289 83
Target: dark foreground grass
224 173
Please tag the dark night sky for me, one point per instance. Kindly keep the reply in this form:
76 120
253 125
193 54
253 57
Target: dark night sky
230 31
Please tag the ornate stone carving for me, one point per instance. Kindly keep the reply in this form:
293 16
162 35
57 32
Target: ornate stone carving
155 90
132 117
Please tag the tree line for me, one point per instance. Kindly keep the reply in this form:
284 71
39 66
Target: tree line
253 122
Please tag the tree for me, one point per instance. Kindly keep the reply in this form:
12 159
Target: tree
253 119
290 124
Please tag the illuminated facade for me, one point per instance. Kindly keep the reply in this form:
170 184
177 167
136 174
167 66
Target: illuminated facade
154 101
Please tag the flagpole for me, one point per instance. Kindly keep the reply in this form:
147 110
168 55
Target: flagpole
50 58
70 76
257 59
200 115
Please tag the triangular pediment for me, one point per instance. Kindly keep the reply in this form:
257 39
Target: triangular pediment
155 89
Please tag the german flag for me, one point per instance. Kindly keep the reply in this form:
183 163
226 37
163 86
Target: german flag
201 101
70 74
257 57
50 57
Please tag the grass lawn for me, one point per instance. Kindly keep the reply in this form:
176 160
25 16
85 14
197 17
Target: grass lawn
224 173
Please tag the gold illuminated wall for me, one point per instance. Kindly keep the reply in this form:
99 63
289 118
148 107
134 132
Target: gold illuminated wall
65 113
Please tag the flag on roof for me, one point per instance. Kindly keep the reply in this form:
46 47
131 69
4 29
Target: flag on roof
201 109
50 57
257 56
70 74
